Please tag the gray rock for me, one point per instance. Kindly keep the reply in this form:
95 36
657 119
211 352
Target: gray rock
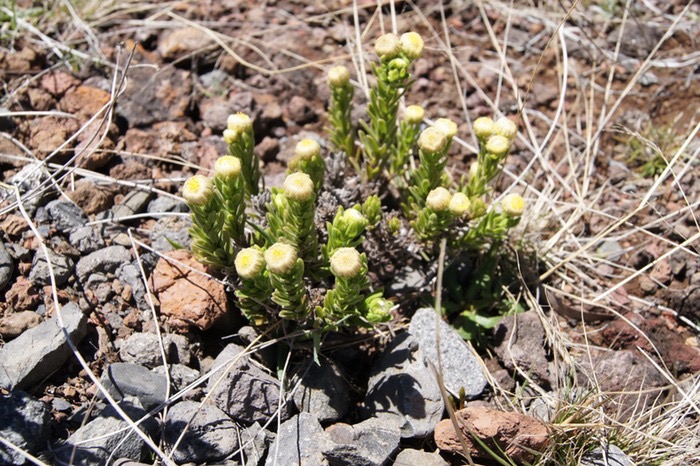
133 203
6 267
460 368
62 268
520 343
322 390
180 376
245 392
123 379
29 180
210 435
24 422
65 215
144 349
254 442
41 350
369 443
163 204
300 441
610 456
130 274
402 385
107 437
102 261
169 231
411 457
86 239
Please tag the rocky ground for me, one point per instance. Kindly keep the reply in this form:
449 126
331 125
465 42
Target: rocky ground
108 108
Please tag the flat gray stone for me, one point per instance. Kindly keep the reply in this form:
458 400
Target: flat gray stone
163 204
133 203
65 215
460 368
171 230
254 443
403 386
369 443
520 342
131 380
25 422
246 392
300 441
411 457
322 390
86 239
210 435
41 350
610 456
144 349
6 267
62 268
107 437
130 274
180 376
105 260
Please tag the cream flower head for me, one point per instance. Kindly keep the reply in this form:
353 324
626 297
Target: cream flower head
387 46
227 167
346 262
473 169
459 204
307 148
505 127
239 122
438 199
447 126
197 190
432 140
498 145
414 114
298 187
338 76
483 127
411 45
230 136
280 258
513 205
249 263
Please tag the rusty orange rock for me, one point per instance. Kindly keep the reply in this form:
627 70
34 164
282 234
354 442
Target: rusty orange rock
513 433
187 297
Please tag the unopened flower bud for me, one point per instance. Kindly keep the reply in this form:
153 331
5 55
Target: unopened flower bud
227 167
249 263
414 114
432 140
459 204
387 46
483 127
197 190
438 199
505 127
230 136
513 205
447 126
473 169
354 217
280 258
477 207
307 148
338 76
239 122
298 187
411 45
497 145
346 262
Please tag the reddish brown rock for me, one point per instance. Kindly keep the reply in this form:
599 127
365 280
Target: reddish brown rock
47 133
58 82
90 198
14 225
187 297
179 42
517 435
22 295
13 325
84 100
